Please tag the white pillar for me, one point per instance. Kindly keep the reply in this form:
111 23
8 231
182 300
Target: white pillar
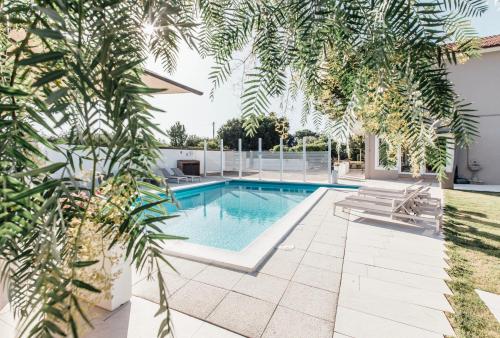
281 159
329 168
240 159
304 158
222 158
205 158
260 158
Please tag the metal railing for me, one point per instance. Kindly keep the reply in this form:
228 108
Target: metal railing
277 165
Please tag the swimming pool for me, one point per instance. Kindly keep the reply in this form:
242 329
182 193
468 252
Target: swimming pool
237 222
231 215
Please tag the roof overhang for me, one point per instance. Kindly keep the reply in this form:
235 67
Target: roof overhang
154 80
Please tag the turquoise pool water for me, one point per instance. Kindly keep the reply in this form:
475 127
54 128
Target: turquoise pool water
230 215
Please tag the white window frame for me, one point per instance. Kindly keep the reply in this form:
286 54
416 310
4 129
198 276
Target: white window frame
422 171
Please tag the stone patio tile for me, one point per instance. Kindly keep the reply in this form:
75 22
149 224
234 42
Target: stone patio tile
374 287
243 314
400 255
358 257
299 240
287 323
320 261
350 283
308 226
330 238
492 301
139 276
302 233
223 278
318 278
313 219
408 279
197 299
415 268
293 255
355 268
262 286
357 324
310 300
208 330
137 319
326 249
279 267
148 289
185 268
410 314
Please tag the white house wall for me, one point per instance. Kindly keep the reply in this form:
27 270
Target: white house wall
478 82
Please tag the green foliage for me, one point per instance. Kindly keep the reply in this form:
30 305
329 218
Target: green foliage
177 134
194 141
74 68
270 129
339 52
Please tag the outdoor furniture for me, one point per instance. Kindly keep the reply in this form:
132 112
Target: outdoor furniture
391 191
189 167
390 194
171 176
179 173
419 204
407 209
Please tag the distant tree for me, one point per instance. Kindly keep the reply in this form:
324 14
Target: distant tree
271 128
177 134
194 141
300 134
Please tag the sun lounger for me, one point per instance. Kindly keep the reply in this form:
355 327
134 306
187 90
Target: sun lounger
406 209
422 193
409 188
179 173
171 176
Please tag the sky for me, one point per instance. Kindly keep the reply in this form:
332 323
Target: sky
198 113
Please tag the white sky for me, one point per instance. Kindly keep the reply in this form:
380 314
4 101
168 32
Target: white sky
198 112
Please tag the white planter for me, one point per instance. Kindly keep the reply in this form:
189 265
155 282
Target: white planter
3 296
120 290
4 299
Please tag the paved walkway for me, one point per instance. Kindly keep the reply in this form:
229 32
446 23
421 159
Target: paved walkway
333 276
293 294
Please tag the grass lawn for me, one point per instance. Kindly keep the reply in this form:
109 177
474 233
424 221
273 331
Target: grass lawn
472 230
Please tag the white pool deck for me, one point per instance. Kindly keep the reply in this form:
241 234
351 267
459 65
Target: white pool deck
340 276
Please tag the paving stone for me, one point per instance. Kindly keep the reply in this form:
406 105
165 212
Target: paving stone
148 289
360 325
318 278
325 262
279 267
184 267
197 299
402 312
243 314
333 238
310 300
326 249
220 277
287 323
262 286
435 300
293 255
208 330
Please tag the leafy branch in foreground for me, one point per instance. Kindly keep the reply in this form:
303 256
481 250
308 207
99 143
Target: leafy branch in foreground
75 68
353 60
